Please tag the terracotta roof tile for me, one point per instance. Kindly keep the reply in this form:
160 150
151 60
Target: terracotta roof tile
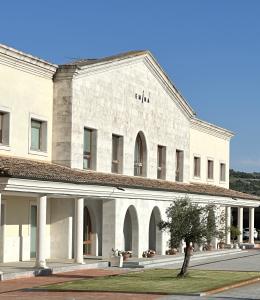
31 169
90 61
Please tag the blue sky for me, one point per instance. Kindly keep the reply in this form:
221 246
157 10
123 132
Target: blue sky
210 49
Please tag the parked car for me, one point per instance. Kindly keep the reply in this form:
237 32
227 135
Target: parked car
246 233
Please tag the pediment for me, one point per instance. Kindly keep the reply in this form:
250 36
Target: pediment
87 67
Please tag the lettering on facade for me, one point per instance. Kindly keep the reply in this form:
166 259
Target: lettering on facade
143 97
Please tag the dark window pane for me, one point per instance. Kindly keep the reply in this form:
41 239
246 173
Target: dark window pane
36 135
138 168
87 155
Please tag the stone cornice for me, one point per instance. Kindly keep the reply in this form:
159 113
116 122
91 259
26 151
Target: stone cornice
26 62
211 129
66 72
167 84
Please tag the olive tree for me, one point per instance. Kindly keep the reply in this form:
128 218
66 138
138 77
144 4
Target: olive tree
189 222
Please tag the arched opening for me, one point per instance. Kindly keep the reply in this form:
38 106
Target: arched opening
155 235
140 158
130 231
87 233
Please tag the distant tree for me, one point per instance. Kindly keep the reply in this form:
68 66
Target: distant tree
191 223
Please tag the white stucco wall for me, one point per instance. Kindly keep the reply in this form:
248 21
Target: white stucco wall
114 212
209 146
17 228
24 94
61 228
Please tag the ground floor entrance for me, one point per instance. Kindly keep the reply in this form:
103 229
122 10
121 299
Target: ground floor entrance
87 232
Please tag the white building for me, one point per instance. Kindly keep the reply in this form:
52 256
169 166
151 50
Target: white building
94 151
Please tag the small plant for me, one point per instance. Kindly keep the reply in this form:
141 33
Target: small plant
234 232
116 252
149 253
171 251
125 254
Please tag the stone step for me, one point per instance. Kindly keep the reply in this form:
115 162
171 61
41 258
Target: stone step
52 270
172 259
247 246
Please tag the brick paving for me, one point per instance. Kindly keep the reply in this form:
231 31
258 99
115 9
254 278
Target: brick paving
14 289
22 283
74 296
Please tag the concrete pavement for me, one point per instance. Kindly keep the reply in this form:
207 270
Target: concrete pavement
243 261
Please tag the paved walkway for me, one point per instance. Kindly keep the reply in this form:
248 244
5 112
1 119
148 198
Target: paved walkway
247 292
243 261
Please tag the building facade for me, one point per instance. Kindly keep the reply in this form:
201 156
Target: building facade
94 151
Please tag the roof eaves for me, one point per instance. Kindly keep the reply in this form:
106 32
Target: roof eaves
211 127
12 52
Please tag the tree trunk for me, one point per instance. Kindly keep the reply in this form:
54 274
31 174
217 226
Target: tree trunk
186 262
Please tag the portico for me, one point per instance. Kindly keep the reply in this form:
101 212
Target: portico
89 218
240 221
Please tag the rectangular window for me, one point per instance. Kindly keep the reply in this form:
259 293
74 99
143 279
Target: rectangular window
36 128
38 135
88 135
117 153
196 172
179 165
210 169
89 149
161 162
4 127
222 172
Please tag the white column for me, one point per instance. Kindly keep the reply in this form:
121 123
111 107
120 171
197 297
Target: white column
1 232
228 224
111 237
251 224
41 224
215 239
240 223
79 215
0 212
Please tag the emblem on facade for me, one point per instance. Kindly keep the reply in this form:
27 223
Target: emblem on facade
143 97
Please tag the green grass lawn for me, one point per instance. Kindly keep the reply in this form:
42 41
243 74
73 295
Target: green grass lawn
157 281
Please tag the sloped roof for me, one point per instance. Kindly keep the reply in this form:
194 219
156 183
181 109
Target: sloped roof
31 169
90 61
12 52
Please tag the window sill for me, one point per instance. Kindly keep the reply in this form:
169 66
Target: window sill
197 177
210 179
39 153
5 147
